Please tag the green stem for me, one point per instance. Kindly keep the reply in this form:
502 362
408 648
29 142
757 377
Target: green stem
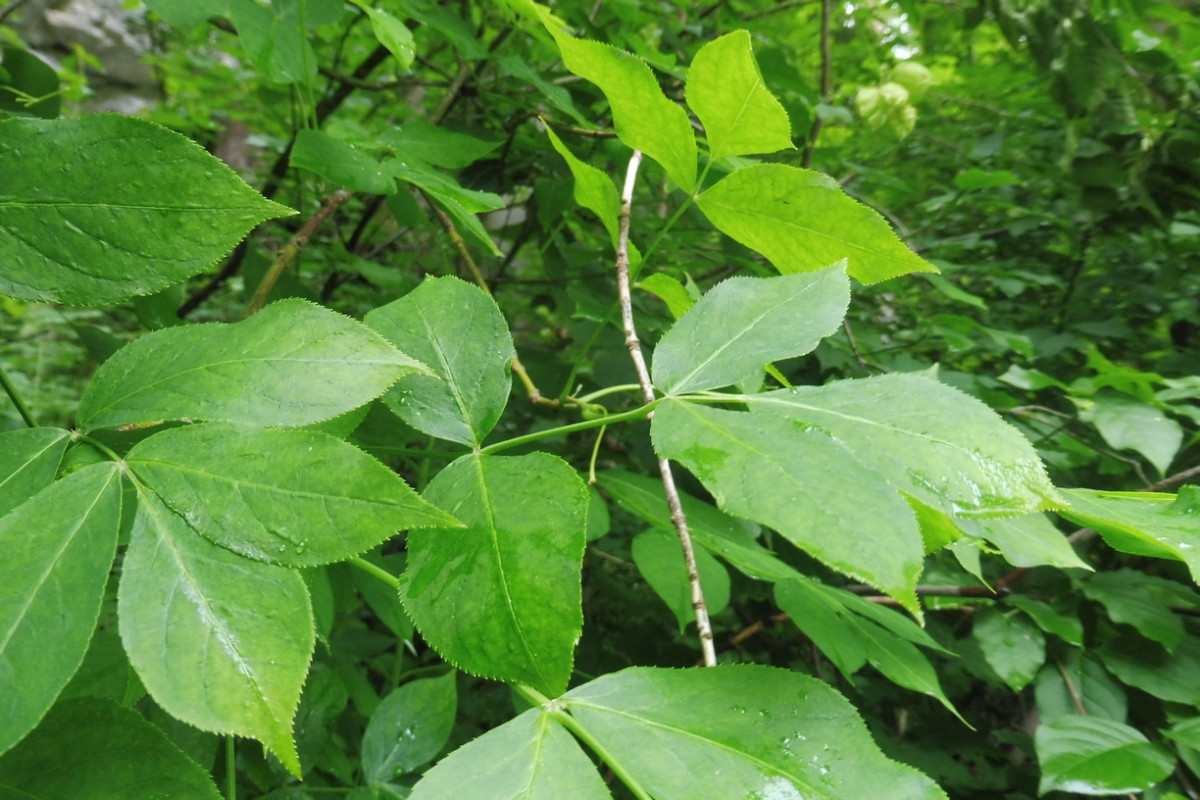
554 709
103 448
587 424
230 770
11 391
624 387
376 571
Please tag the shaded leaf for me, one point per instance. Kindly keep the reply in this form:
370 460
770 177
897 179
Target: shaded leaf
1126 423
420 139
99 208
291 497
1146 666
92 749
502 599
1100 693
339 163
745 731
1065 626
659 558
58 547
743 323
459 332
528 758
293 363
1030 541
802 221
1011 645
726 90
409 727
802 483
221 642
1097 756
1126 597
29 460
716 532
277 45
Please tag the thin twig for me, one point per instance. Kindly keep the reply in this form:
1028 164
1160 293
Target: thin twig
703 626
11 390
293 248
826 82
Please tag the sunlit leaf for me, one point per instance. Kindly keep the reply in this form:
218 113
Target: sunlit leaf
58 547
293 363
502 598
101 207
221 642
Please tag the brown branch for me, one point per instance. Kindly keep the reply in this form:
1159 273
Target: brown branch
678 517
293 248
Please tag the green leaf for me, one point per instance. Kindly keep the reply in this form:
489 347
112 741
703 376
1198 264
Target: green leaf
423 141
593 189
528 758
29 459
96 209
1065 626
670 291
468 223
409 727
28 77
185 16
1128 423
1097 756
277 45
830 626
293 363
457 330
726 90
92 749
716 532
1012 646
391 33
1146 666
1142 523
944 448
643 116
502 599
1100 693
339 163
58 547
290 497
802 483
659 558
743 323
1126 597
1031 540
745 731
221 642
802 221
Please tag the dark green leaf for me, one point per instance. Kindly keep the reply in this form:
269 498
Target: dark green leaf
221 642
458 331
801 221
716 532
659 558
275 44
1142 664
58 547
502 598
339 163
1011 644
92 749
290 497
1125 596
745 323
1097 756
1100 694
422 140
409 727
96 209
28 79
726 90
1065 626
293 363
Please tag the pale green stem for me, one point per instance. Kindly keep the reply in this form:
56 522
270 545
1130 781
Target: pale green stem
230 769
587 424
376 571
